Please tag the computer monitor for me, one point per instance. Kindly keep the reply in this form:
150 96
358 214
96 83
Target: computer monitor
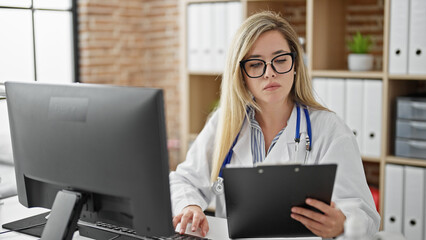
99 150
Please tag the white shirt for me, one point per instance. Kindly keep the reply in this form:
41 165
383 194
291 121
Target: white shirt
258 140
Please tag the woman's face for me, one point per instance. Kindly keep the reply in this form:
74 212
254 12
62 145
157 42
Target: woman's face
272 87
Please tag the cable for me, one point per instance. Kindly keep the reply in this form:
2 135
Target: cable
24 228
115 237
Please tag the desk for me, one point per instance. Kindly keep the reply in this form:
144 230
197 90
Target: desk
12 210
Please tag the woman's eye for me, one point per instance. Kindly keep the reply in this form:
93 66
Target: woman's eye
255 65
280 60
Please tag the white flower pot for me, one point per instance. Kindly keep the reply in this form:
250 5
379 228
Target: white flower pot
360 62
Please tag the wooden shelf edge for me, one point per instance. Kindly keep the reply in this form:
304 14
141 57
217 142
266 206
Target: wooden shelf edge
204 1
347 74
406 161
204 73
370 159
275 1
407 77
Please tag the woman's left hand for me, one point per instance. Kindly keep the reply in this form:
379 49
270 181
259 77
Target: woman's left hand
327 225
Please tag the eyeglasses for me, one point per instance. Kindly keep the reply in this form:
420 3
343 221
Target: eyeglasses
256 68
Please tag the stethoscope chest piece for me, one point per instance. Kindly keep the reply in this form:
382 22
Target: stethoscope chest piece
217 187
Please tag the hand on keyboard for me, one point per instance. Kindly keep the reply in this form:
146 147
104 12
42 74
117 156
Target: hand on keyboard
189 231
131 234
192 214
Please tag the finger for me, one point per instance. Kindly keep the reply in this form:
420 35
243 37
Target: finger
196 219
323 207
176 220
315 231
310 224
184 221
204 227
308 214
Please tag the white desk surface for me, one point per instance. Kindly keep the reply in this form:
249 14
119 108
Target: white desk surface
12 210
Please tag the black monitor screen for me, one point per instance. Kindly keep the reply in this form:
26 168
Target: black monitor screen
106 142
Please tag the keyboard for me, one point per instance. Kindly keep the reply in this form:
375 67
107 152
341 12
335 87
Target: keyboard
100 230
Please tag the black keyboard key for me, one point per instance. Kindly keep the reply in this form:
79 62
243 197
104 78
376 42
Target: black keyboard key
129 232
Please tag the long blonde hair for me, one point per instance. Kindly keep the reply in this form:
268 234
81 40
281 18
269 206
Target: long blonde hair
235 96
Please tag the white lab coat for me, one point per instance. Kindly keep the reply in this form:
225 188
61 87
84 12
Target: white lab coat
333 142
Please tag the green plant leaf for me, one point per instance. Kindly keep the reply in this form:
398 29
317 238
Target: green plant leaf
360 43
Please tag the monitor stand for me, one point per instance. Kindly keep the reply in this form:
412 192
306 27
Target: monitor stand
33 225
63 218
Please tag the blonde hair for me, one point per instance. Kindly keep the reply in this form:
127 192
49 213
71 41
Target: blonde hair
235 96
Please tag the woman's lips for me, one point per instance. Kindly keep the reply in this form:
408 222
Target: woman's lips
271 86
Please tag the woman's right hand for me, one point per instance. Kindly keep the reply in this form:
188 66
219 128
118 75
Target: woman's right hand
194 214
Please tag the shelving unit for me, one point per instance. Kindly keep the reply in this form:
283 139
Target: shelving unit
325 31
347 74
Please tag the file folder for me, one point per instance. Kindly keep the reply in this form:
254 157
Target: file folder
336 96
372 118
414 206
205 19
234 17
417 45
394 197
354 108
219 20
398 35
193 37
320 90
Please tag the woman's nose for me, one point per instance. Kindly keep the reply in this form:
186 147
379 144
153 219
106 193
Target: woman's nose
269 72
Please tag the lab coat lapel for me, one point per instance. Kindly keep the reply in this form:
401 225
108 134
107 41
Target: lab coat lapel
242 150
283 151
291 144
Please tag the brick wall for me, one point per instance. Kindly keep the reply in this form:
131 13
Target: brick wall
293 11
133 43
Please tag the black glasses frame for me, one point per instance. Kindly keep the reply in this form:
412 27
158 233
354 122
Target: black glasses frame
293 57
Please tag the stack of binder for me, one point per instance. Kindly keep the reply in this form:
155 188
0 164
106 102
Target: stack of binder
404 210
407 45
211 27
359 103
411 127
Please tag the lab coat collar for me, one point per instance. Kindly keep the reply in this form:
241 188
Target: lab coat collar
242 150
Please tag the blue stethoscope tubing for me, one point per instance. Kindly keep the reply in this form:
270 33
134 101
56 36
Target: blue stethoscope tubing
296 138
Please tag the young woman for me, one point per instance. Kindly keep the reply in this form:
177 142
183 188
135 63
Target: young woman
264 85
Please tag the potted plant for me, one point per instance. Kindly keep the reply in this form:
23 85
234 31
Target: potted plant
359 59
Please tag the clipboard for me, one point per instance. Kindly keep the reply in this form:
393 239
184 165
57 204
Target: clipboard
259 200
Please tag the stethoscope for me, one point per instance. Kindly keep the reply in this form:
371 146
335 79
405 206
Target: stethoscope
217 186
